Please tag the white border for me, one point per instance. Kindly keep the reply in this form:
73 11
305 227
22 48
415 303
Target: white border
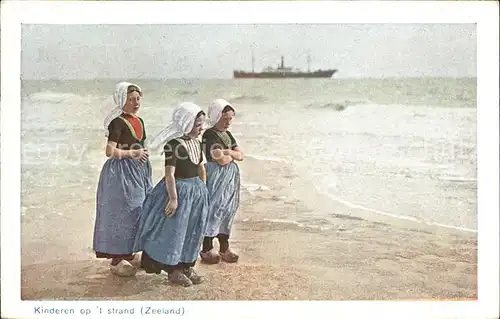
114 12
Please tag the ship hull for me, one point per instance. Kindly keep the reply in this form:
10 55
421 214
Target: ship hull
283 75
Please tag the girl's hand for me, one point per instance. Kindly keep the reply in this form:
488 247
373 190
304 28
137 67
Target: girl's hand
170 207
140 154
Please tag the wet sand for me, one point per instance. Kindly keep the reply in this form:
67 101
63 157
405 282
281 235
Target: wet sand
281 263
355 258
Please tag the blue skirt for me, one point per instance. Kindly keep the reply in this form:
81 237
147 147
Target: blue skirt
123 186
223 184
175 239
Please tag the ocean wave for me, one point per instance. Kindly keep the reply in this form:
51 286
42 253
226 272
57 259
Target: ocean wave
392 215
419 115
32 163
62 128
338 105
247 98
458 179
182 92
266 158
237 134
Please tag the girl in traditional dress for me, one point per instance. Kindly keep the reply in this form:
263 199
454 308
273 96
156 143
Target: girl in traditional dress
174 214
223 182
124 182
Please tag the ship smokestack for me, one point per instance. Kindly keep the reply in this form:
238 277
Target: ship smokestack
282 62
253 62
308 63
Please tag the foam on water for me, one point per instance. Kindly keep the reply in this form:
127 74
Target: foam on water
236 98
458 179
293 223
338 105
396 216
366 143
249 187
265 158
54 97
254 187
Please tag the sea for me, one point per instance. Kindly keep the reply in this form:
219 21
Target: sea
392 148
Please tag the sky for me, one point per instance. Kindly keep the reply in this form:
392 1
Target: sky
213 51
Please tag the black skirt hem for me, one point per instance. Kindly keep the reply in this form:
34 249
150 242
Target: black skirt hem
99 254
152 266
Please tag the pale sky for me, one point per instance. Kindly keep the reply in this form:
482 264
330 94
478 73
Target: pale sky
213 51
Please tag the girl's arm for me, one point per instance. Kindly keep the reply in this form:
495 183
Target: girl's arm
235 153
203 173
220 157
114 152
170 182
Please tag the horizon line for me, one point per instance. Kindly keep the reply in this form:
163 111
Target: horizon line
246 79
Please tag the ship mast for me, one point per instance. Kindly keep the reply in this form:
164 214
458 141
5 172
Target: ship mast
308 63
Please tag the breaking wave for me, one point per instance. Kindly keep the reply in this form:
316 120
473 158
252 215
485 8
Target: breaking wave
337 105
53 97
186 92
247 98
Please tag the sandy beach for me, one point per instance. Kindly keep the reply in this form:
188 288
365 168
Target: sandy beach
358 259
334 206
361 185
